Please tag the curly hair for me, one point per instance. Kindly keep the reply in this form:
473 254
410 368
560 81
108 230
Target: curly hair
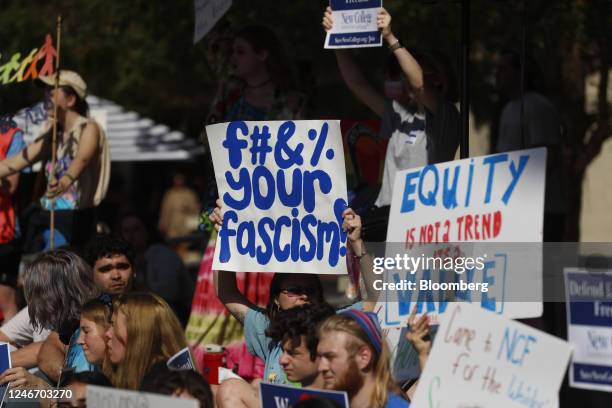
293 323
161 380
106 245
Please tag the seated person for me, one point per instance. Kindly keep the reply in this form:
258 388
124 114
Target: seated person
354 357
187 384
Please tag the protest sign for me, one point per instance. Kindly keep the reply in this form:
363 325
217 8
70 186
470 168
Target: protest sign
181 361
445 219
113 397
207 13
19 70
285 396
480 359
354 24
283 188
5 363
589 328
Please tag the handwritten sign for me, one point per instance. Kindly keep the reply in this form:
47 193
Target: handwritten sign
114 397
207 13
283 187
589 328
354 24
446 218
19 69
480 359
285 396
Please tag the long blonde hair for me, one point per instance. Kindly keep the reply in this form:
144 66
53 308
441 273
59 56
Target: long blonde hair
381 366
154 334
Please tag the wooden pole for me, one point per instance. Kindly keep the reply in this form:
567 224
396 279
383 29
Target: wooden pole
54 136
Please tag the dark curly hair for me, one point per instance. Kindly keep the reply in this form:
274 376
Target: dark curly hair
106 245
161 380
293 323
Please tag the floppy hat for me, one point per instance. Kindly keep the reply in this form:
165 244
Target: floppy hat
67 78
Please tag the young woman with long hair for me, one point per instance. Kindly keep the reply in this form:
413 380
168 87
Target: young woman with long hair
95 321
144 332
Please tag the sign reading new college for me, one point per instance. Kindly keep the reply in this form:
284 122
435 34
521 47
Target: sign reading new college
283 187
457 211
589 328
354 24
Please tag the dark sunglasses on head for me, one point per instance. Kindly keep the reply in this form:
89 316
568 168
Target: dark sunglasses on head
293 291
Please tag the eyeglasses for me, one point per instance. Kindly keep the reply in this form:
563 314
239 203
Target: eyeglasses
294 291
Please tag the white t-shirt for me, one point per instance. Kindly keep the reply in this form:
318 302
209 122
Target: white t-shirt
407 148
20 330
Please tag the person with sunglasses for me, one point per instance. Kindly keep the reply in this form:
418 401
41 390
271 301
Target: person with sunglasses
287 290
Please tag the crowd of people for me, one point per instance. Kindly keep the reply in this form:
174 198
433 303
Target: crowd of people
110 309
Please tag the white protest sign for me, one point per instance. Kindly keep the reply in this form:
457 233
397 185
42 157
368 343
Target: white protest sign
283 187
354 24
589 328
442 223
483 360
103 397
207 13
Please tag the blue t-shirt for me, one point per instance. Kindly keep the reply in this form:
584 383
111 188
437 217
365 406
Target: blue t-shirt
255 325
75 358
395 401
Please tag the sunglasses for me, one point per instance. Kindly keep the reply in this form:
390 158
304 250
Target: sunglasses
294 291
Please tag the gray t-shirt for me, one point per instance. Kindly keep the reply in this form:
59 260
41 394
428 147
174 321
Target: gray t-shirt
20 330
416 140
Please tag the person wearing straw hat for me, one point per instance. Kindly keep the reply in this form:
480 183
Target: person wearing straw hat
78 179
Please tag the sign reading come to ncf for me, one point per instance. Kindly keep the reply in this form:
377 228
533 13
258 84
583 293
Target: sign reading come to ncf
283 188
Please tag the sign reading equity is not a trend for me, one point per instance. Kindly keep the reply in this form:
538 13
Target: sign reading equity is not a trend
283 188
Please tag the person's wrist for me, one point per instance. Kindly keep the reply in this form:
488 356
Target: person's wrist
389 38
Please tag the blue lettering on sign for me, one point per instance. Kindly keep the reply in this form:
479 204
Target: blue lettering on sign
295 188
431 185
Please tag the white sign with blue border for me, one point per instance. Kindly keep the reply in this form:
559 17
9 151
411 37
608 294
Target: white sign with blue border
589 328
354 24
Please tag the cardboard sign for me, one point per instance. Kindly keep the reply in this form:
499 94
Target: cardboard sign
283 187
5 364
456 211
480 359
354 24
207 13
181 361
114 397
589 328
285 396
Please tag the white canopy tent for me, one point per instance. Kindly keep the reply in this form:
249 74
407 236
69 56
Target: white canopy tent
131 137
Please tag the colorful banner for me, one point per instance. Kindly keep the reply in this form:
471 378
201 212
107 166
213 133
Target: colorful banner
19 69
354 24
480 359
442 223
286 396
283 187
589 328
